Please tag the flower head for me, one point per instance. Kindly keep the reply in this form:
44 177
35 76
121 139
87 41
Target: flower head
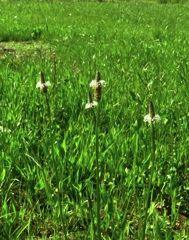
152 117
90 103
42 84
97 86
148 118
95 83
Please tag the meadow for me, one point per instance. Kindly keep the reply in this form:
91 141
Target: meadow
67 172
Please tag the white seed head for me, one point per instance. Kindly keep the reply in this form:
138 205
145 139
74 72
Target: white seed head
91 105
96 83
42 85
148 118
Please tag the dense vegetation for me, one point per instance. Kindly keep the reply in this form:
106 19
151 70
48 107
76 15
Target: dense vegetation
50 144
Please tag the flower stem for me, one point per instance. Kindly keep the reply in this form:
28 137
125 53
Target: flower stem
97 176
150 189
48 108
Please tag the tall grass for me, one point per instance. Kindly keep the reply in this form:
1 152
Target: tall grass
47 180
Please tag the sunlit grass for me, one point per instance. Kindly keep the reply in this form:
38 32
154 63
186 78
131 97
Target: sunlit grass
48 170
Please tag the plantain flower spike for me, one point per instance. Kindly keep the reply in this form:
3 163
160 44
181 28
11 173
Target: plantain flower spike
97 86
42 84
90 103
151 117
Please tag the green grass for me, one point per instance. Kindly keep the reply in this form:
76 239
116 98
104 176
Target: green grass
47 167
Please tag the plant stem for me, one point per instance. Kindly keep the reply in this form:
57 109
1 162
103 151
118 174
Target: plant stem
150 191
92 218
97 175
48 108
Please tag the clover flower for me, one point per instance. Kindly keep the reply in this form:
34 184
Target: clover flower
151 117
42 84
90 103
97 86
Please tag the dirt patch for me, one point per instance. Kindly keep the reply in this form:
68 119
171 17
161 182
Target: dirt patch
25 48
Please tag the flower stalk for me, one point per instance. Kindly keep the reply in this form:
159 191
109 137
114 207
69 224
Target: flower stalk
97 85
43 85
151 118
97 176
54 70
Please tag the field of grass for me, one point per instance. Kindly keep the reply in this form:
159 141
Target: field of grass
67 172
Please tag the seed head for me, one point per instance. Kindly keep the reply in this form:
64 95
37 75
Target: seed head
42 84
151 117
151 110
97 86
150 120
90 103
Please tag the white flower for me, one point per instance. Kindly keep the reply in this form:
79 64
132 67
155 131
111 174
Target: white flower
95 83
91 105
148 118
43 85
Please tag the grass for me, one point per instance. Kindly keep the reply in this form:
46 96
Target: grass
48 172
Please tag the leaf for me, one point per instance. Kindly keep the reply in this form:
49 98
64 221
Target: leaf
64 145
3 173
135 97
